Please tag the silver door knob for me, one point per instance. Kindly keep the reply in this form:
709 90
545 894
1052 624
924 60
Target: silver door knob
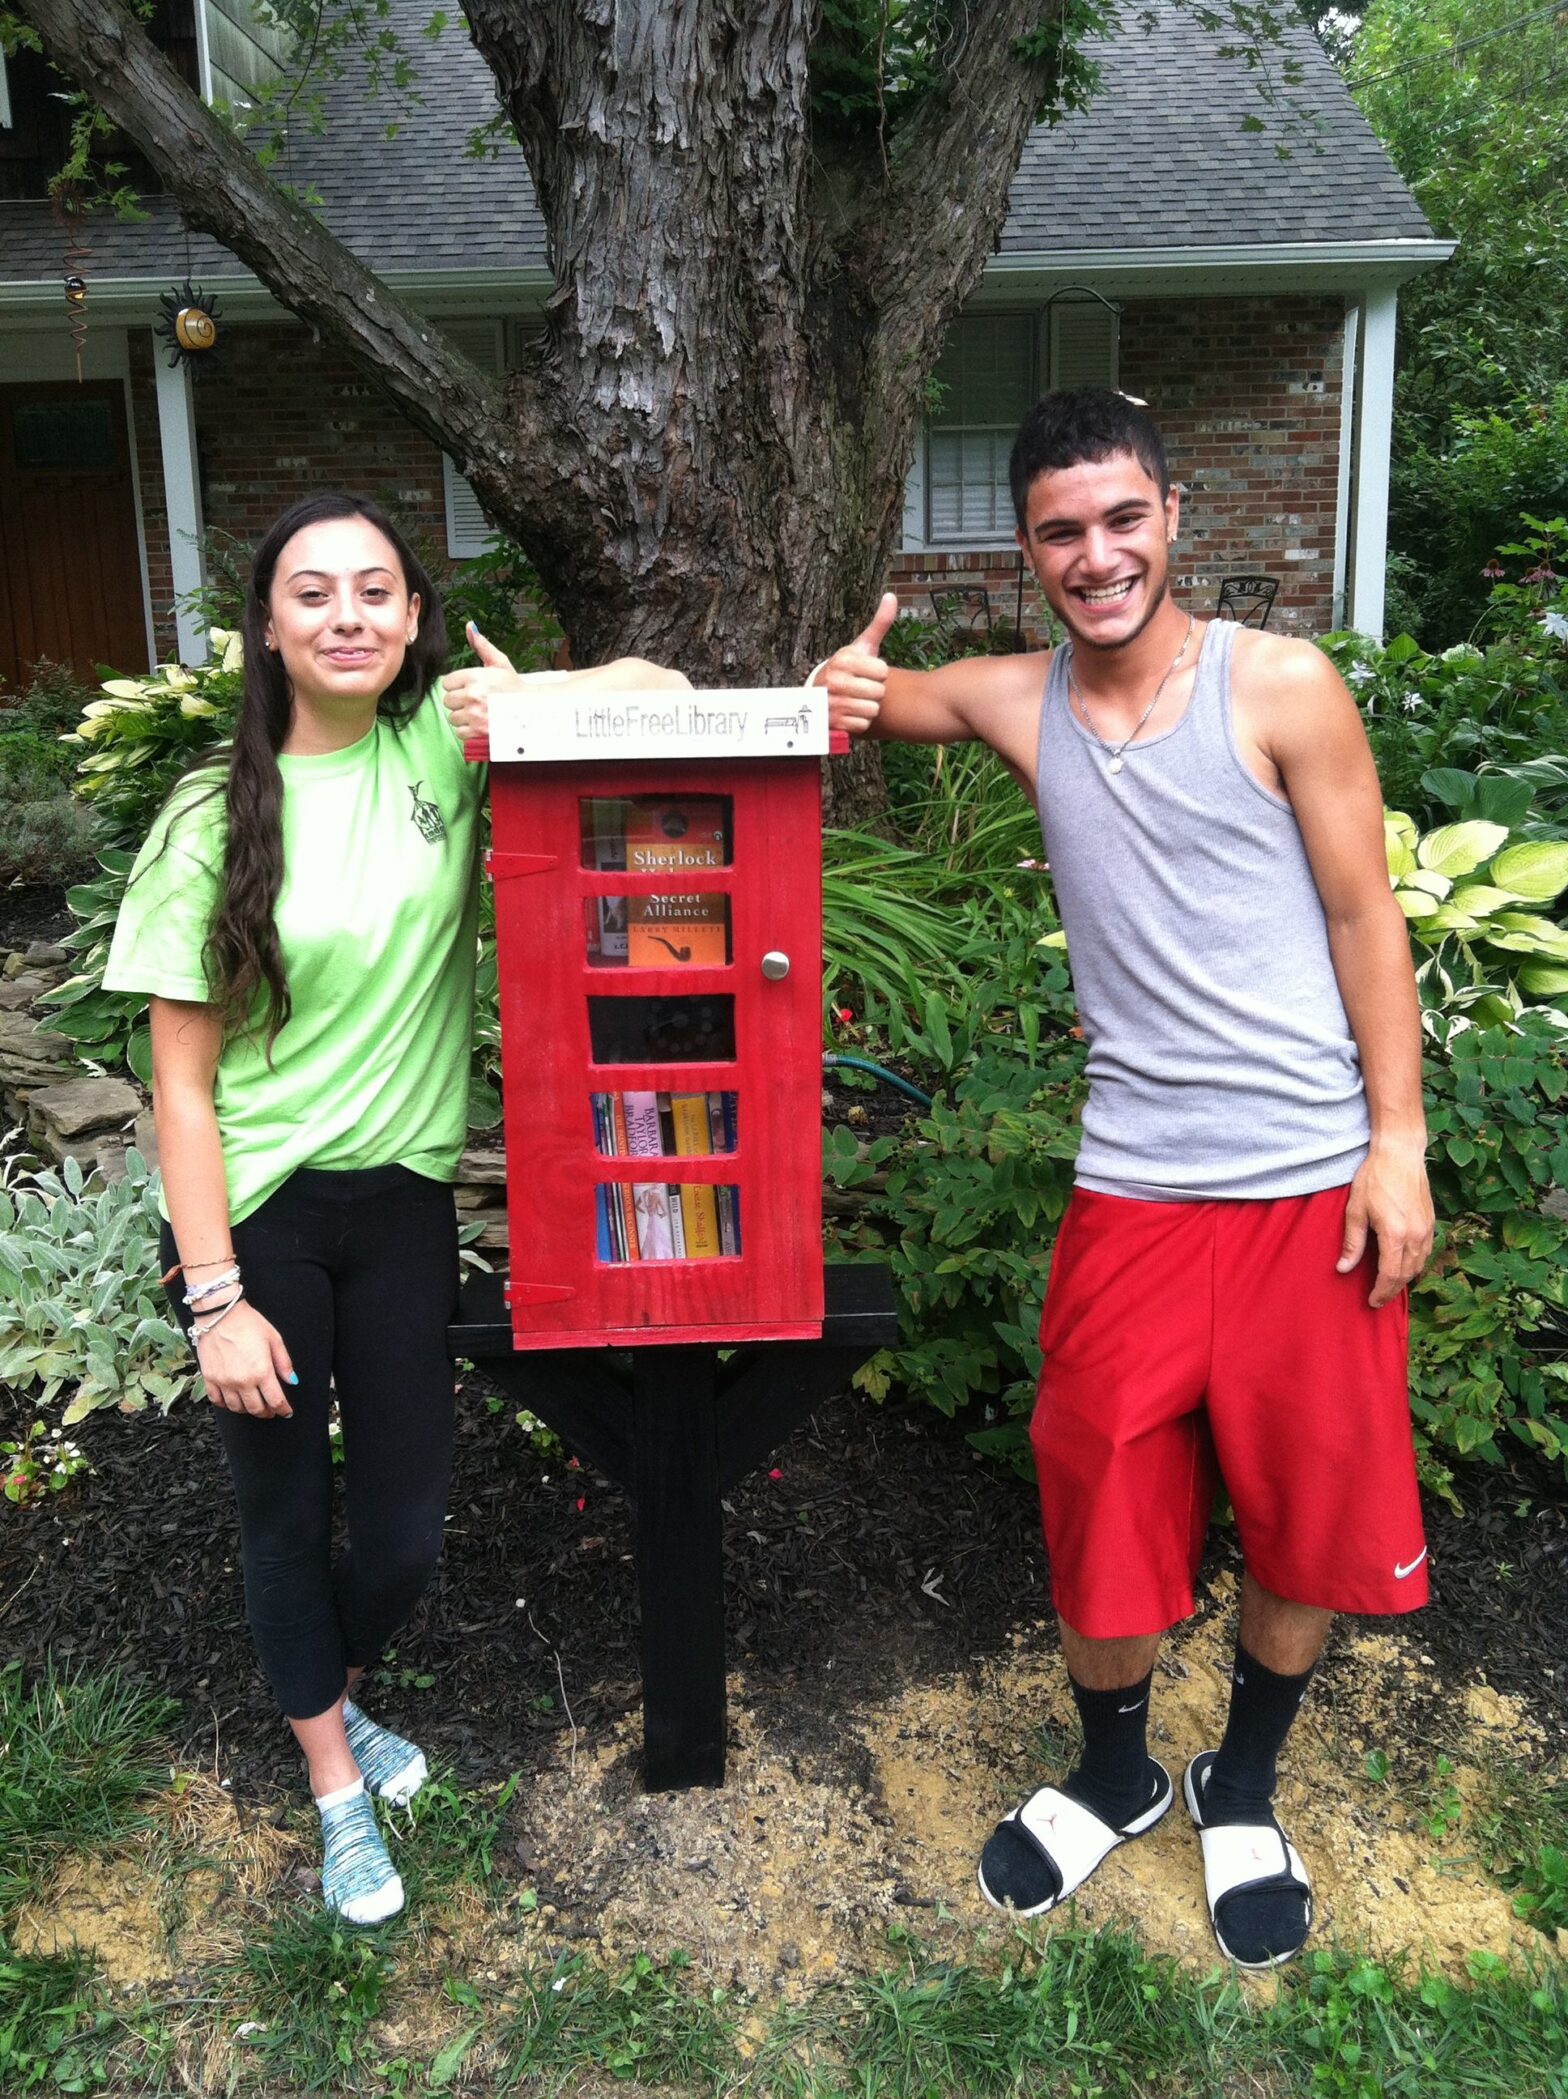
775 965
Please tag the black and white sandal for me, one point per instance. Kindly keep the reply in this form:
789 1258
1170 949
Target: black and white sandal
1245 1858
1068 1838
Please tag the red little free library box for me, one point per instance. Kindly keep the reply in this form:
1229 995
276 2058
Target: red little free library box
658 900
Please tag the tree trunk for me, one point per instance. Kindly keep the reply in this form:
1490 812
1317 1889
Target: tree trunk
705 457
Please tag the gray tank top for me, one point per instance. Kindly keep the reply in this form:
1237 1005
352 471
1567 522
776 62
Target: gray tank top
1221 1063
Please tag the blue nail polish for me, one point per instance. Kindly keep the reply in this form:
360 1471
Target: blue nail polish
293 1377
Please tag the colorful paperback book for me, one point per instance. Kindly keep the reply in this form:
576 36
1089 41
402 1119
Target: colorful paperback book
676 931
621 1149
655 1226
699 1209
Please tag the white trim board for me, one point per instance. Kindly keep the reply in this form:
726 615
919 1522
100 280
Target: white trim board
182 497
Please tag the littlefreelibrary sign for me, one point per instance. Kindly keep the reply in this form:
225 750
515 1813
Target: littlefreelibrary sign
548 726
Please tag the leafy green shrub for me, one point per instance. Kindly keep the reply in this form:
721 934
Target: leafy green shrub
1455 504
43 831
81 1309
1488 1322
132 745
1472 708
974 1190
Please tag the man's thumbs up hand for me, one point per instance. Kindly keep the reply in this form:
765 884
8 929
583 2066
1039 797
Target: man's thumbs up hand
856 676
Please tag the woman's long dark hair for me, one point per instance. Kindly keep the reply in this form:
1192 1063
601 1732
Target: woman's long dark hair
243 959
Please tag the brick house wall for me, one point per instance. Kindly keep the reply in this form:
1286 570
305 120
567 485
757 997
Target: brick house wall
262 442
1247 391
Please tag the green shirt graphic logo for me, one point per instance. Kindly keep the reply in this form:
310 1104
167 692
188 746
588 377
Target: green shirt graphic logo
432 825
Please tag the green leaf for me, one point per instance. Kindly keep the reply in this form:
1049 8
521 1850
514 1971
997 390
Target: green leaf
1456 789
1415 903
484 1104
1545 980
1399 843
1457 849
1536 869
138 1055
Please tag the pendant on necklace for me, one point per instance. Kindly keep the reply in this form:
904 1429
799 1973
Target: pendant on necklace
1115 766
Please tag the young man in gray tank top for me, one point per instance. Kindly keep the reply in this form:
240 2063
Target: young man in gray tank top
1227 1293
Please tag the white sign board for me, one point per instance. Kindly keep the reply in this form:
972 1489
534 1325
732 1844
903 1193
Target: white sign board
552 724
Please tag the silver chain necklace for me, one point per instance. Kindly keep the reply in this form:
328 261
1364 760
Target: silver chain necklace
1116 749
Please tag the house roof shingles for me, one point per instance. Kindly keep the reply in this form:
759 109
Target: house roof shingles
1160 160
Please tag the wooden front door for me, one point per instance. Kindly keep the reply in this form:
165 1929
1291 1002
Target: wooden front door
70 577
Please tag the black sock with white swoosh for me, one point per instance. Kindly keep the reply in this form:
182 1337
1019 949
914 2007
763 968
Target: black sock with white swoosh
1263 1704
1114 1778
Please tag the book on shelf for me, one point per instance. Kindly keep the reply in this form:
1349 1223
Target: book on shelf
678 931
607 914
698 1203
655 1233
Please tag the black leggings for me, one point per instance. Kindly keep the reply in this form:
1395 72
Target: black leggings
358 1272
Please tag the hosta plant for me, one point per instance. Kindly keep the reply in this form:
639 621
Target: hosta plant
1475 900
135 742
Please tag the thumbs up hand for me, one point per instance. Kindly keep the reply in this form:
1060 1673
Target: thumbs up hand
466 694
856 676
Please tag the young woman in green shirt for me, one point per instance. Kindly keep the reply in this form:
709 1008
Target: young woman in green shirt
303 920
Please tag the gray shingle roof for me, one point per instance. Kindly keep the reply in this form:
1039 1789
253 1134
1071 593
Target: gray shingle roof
1160 160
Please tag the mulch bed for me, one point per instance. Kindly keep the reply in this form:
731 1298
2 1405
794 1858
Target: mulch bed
33 912
885 1551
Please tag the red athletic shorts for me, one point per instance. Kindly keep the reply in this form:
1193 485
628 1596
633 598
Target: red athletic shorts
1189 1341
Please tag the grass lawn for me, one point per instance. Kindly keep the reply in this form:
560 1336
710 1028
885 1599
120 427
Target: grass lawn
159 1941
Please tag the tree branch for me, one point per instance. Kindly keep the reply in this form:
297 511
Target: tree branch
954 162
222 189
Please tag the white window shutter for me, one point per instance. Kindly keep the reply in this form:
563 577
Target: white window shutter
5 97
1083 343
468 530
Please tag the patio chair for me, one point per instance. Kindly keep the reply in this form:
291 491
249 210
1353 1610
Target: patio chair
969 609
1248 600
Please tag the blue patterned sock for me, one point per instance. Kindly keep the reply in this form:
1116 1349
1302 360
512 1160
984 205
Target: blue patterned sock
393 1769
358 1880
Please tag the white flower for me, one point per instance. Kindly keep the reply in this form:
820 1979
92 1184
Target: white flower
1360 674
1412 703
1556 624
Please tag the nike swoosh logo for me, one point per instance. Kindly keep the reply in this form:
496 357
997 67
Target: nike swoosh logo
1401 1572
1137 1706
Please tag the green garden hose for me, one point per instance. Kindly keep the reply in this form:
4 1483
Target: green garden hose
879 1071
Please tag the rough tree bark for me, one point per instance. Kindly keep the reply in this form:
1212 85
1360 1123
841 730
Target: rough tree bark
705 458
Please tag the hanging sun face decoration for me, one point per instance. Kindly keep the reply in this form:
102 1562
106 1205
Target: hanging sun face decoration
189 325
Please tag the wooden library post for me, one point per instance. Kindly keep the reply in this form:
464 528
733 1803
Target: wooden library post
658 903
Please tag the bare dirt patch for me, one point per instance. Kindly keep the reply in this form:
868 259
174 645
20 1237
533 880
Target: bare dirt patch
795 1871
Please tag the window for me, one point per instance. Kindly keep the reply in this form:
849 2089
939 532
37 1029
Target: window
993 367
988 373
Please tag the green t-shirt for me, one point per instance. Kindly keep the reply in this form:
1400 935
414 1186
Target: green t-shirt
376 920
